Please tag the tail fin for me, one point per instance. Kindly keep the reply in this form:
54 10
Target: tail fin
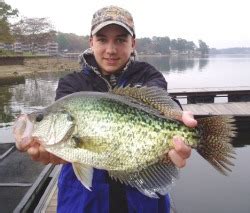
216 135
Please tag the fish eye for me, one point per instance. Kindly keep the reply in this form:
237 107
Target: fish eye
39 117
70 117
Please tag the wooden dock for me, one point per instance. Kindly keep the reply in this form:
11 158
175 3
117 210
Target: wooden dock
232 108
48 202
51 204
208 95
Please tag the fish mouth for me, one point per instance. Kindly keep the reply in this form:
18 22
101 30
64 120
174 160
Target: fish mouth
22 131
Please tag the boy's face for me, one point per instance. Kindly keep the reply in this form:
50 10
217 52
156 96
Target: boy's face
112 47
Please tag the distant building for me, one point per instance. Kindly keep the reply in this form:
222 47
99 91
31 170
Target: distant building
50 48
1 46
8 47
26 47
17 47
41 49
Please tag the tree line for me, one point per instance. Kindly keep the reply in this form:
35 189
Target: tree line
232 50
165 45
39 31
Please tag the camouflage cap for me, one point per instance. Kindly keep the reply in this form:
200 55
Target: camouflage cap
112 15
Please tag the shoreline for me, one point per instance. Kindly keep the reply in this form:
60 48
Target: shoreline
41 65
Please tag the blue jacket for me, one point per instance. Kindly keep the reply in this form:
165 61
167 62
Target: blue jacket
72 195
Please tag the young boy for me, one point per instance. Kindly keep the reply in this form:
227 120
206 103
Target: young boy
109 62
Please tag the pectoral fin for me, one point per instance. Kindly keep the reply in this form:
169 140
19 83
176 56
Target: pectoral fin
84 173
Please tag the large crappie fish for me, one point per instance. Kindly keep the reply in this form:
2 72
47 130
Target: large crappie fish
127 132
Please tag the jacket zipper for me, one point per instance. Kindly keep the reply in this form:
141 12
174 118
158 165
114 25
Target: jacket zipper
109 87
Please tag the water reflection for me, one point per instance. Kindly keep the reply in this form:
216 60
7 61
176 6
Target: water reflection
175 64
36 92
5 107
202 63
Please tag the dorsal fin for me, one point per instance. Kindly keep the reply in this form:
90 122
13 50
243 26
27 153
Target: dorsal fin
155 97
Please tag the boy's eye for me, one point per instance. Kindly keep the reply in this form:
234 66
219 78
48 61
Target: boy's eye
121 40
101 40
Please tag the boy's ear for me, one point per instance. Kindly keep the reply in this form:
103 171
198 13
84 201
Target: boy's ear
133 43
91 41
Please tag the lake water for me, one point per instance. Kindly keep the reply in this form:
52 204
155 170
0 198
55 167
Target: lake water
200 188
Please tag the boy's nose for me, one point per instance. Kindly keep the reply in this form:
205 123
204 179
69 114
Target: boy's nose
111 49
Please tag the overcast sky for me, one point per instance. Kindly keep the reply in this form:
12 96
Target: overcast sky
220 23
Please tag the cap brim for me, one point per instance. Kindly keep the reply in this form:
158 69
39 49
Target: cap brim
106 23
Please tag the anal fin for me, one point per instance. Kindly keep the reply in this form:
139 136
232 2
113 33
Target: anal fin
151 181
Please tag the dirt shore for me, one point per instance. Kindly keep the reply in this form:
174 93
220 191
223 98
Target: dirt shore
41 65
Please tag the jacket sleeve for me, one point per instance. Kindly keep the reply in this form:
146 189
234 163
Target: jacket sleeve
155 78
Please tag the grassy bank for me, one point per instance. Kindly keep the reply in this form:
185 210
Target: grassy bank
32 66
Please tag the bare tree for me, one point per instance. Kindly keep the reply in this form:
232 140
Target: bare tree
34 31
